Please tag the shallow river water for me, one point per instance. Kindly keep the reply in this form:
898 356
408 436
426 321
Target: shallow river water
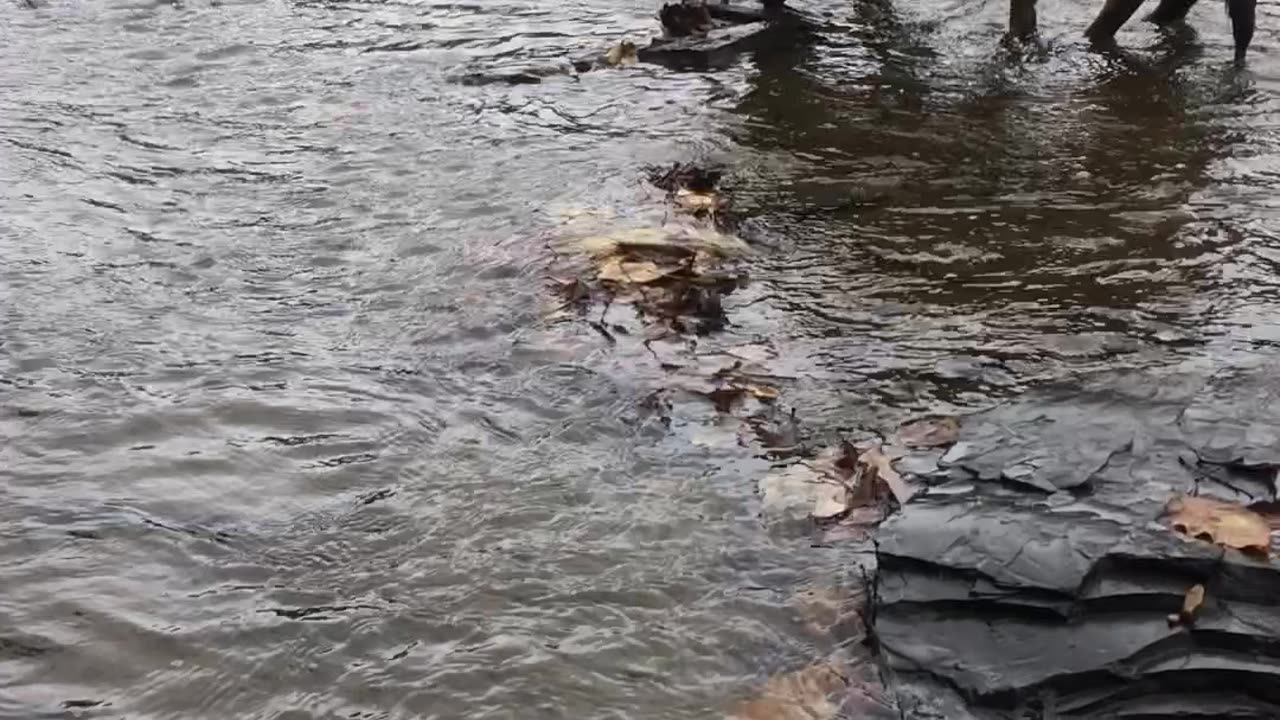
286 432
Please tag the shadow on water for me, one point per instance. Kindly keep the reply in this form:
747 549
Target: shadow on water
1020 207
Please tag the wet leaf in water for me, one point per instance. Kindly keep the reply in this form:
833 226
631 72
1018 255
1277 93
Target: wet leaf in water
828 610
572 291
799 490
761 392
697 201
806 694
830 504
858 525
1220 522
724 398
678 239
641 272
572 215
882 465
929 432
624 53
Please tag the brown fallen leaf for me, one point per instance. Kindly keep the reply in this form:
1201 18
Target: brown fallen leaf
568 215
1220 522
805 694
929 432
1191 604
571 290
724 398
875 459
818 606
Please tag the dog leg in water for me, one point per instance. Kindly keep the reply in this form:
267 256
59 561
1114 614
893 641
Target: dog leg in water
1242 14
1022 19
1171 11
1113 16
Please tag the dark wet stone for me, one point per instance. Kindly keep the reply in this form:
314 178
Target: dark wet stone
738 29
1235 420
1037 581
739 14
1052 446
23 646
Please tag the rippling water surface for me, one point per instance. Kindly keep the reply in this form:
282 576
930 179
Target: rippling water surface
286 433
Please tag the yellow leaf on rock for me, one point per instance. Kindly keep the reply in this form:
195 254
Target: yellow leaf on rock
883 466
1220 522
1192 602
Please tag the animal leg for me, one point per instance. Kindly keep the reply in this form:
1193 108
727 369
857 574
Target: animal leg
1169 12
1114 14
1022 19
1242 19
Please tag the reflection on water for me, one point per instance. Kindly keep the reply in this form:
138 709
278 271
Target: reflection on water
988 219
285 434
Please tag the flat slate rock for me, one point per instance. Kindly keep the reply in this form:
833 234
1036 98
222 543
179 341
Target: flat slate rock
1032 580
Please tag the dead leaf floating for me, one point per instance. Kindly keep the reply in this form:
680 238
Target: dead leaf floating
799 491
624 53
674 240
1220 522
697 201
809 693
641 272
930 432
879 463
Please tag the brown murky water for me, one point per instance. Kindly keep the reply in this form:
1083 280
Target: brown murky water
285 432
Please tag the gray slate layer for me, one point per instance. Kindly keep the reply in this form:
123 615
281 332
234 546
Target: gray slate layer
1033 581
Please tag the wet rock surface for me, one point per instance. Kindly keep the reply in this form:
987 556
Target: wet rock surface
1038 577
